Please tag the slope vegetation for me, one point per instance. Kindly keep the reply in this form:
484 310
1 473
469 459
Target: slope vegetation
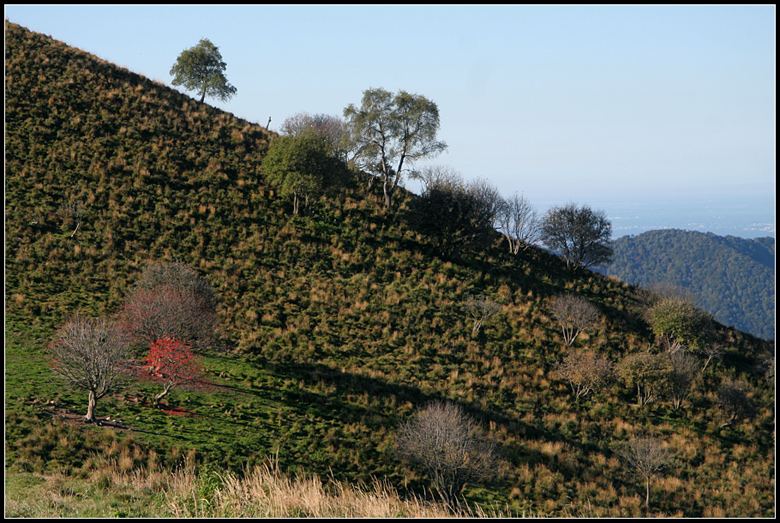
337 325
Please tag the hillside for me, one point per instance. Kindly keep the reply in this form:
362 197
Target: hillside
337 325
731 278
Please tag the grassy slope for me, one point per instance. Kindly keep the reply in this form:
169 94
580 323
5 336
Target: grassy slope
338 324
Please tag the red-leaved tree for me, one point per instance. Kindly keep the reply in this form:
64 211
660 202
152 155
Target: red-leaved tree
172 360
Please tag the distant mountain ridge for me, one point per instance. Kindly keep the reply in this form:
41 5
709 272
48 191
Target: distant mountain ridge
732 278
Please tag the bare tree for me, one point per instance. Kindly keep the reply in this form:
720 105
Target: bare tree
72 214
734 401
449 446
480 308
685 367
585 371
574 315
91 354
647 457
711 351
171 300
518 221
433 175
331 128
489 198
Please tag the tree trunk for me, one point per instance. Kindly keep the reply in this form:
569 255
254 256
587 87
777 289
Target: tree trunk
90 417
161 395
647 494
388 195
639 395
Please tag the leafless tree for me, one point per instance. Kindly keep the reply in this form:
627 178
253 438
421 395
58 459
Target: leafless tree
450 446
480 308
574 315
489 198
171 300
518 221
647 457
734 401
685 367
72 214
585 371
436 175
711 351
329 127
91 354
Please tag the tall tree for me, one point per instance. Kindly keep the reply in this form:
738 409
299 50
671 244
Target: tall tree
201 69
91 354
388 133
579 234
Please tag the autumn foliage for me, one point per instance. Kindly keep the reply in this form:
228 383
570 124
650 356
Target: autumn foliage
174 362
171 301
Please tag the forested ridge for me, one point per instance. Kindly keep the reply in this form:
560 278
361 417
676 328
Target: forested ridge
336 326
732 278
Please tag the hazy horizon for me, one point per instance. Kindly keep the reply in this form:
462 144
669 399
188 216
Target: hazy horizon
661 115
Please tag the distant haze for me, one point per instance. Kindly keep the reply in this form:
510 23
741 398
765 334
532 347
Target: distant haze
721 215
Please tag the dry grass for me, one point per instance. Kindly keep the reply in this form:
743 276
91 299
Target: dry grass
113 490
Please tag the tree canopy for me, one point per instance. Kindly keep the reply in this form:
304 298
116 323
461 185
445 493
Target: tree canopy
302 165
579 234
201 69
388 132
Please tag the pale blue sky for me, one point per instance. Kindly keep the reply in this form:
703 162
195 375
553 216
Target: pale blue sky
597 105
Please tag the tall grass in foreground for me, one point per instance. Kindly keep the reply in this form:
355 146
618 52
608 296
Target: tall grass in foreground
113 490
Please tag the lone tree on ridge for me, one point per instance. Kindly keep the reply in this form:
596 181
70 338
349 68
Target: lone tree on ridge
201 69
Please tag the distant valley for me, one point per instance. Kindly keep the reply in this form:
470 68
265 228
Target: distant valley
732 278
